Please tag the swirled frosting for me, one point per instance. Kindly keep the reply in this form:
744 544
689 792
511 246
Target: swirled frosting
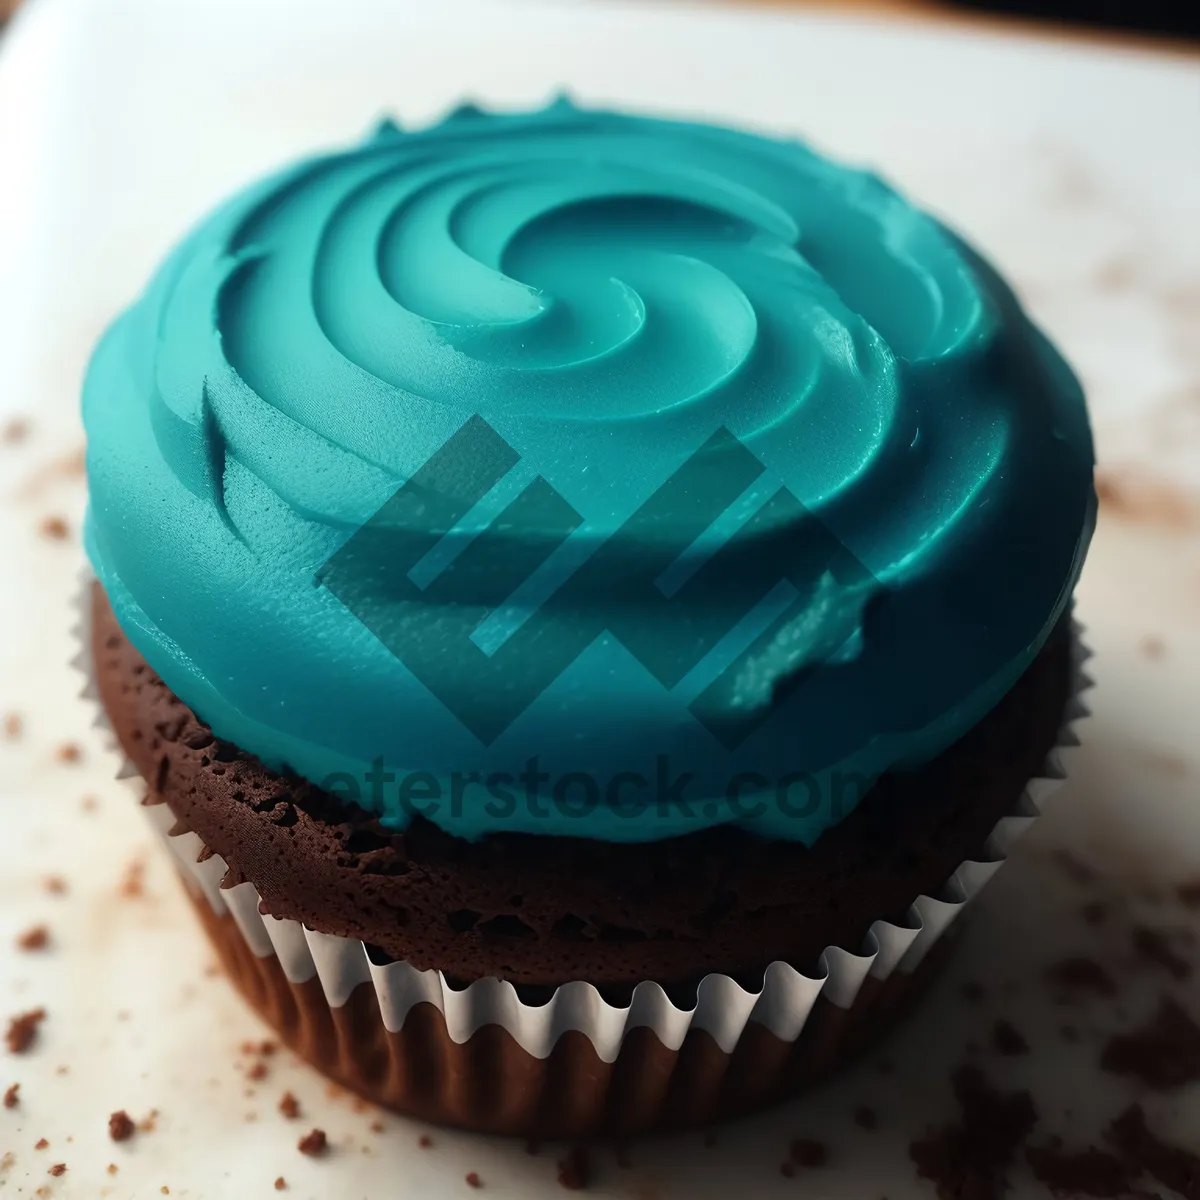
707 473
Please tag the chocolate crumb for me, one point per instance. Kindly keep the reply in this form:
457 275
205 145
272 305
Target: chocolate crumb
257 1071
1152 945
22 1030
424 1141
1164 1053
280 1183
11 1099
36 938
54 528
377 1126
120 1126
1007 1039
866 1118
112 1168
40 1144
132 882
267 1047
14 726
1089 1172
575 1171
313 1143
289 1106
473 1179
15 430
1173 1166
58 1169
1152 646
69 752
806 1152
56 885
1081 974
970 1159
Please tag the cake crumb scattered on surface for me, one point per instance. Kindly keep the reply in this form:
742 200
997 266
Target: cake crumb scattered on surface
313 1143
1008 1039
971 1157
15 430
56 885
7 1161
14 726
41 1144
132 883
807 1152
166 1191
257 1070
866 1117
1152 946
55 528
149 1122
23 1029
473 1179
69 753
424 1141
1152 646
120 1126
112 1168
1079 974
58 1169
1090 1172
1164 1053
289 1106
280 1183
377 1126
575 1170
11 1098
267 1047
1173 1166
89 803
37 937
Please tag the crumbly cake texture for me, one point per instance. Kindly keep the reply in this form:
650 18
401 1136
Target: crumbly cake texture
543 910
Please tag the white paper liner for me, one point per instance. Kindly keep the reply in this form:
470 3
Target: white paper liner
722 1008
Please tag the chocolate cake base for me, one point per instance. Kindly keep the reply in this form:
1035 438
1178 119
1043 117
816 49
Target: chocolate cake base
541 911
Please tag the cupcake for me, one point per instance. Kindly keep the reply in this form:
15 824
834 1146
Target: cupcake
589 598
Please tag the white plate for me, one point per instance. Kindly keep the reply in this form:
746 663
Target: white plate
122 120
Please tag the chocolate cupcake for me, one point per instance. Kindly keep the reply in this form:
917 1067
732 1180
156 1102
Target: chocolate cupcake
589 598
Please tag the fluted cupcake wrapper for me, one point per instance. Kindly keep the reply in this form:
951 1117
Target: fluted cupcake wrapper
790 1028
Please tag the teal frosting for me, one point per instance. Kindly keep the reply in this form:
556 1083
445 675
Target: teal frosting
903 462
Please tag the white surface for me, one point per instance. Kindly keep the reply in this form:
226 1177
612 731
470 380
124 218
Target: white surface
120 121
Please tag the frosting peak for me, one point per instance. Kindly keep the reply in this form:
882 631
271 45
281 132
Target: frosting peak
593 439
